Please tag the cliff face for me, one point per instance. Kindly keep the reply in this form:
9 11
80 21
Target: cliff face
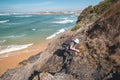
98 59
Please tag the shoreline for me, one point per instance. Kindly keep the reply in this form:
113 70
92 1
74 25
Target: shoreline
12 60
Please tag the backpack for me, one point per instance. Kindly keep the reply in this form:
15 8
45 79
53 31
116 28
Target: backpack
66 44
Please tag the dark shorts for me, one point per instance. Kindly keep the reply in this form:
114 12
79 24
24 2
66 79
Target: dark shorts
71 52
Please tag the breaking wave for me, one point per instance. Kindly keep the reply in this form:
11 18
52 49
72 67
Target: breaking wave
2 41
33 29
11 48
64 21
4 14
55 34
24 16
14 36
4 21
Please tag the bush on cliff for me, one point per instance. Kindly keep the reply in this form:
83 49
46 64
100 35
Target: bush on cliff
91 13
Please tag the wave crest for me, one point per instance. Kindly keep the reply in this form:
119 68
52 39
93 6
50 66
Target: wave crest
4 21
14 48
2 41
55 34
15 36
64 21
4 14
24 16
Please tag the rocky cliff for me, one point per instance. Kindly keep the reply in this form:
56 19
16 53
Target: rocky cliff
98 59
90 14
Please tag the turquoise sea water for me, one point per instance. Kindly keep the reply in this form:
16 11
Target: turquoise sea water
18 31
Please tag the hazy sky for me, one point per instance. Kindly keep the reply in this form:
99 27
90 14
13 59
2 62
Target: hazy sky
44 5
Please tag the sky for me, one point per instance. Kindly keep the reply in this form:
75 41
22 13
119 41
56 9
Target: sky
44 5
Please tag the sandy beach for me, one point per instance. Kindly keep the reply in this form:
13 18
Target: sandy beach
13 59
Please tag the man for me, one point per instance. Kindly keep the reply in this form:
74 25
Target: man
73 45
72 50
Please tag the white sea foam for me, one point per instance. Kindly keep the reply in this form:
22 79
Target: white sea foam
14 36
34 29
24 16
7 14
13 23
4 21
72 16
63 18
55 34
17 13
14 48
2 41
4 14
64 21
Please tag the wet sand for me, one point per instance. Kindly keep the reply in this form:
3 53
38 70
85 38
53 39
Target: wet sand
15 57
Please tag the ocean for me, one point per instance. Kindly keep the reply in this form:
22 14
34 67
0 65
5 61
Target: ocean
19 31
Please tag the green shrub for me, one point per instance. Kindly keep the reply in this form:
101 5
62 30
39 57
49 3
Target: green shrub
96 10
103 6
77 26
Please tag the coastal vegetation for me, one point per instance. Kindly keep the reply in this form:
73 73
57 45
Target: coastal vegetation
91 13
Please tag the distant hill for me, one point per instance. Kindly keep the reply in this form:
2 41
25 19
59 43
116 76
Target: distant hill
58 12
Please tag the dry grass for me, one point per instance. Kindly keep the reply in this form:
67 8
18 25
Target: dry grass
112 11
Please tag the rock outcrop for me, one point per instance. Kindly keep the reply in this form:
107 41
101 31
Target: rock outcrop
98 59
90 14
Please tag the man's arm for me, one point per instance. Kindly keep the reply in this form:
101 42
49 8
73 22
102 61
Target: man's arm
73 48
